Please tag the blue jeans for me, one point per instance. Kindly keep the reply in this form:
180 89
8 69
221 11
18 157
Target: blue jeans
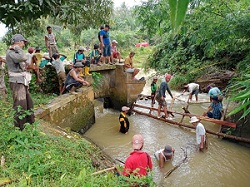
107 50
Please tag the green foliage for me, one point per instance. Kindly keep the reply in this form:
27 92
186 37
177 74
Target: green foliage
178 9
97 79
35 158
241 93
210 36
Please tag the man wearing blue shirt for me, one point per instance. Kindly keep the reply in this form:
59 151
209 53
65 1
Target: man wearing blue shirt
215 109
214 91
160 97
105 42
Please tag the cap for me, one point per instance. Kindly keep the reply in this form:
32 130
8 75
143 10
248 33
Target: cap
193 119
137 141
215 98
125 108
155 78
78 65
31 49
114 41
167 76
37 49
209 87
81 48
18 37
168 151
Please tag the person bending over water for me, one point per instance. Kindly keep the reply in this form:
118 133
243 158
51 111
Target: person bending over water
164 155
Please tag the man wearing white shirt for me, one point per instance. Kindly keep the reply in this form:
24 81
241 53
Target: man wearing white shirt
193 88
200 133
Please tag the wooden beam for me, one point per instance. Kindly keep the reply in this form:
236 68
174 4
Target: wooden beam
246 140
219 122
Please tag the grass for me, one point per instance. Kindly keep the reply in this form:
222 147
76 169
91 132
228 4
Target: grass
43 156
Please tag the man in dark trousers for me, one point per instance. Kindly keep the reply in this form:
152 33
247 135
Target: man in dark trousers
19 80
124 120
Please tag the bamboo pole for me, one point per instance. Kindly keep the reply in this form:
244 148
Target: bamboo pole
104 170
220 122
192 127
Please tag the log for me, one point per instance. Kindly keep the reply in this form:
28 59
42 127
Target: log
240 139
150 108
219 122
178 165
192 102
104 170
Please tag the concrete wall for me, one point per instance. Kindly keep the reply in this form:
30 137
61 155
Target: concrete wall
74 111
126 90
77 111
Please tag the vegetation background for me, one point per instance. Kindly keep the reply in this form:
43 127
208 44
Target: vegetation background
187 38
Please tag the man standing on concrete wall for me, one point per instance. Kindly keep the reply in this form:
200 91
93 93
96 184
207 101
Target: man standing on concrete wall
19 80
105 41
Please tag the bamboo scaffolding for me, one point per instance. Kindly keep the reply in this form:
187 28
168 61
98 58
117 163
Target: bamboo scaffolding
220 122
192 127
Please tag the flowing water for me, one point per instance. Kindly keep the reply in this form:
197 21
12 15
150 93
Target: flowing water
223 164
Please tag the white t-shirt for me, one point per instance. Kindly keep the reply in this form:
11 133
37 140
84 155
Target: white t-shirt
193 86
200 131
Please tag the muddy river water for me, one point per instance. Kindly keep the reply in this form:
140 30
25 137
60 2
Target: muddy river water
223 164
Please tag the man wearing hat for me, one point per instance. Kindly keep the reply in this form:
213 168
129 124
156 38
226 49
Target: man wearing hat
105 43
193 88
164 155
124 120
139 162
80 57
73 80
115 53
215 109
19 80
160 96
200 133
153 90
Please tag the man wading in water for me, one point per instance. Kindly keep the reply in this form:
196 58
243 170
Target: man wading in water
124 120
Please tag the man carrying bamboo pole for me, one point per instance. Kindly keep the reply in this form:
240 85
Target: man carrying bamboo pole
200 133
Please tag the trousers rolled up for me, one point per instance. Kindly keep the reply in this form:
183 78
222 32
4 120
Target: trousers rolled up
22 104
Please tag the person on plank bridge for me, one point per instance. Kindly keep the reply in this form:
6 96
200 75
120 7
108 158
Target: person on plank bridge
215 110
200 133
160 97
193 88
153 90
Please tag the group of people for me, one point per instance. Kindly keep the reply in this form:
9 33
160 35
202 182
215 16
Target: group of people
140 162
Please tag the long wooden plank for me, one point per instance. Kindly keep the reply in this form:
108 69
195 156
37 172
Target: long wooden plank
219 122
192 127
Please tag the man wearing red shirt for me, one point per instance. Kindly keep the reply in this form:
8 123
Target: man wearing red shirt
139 162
